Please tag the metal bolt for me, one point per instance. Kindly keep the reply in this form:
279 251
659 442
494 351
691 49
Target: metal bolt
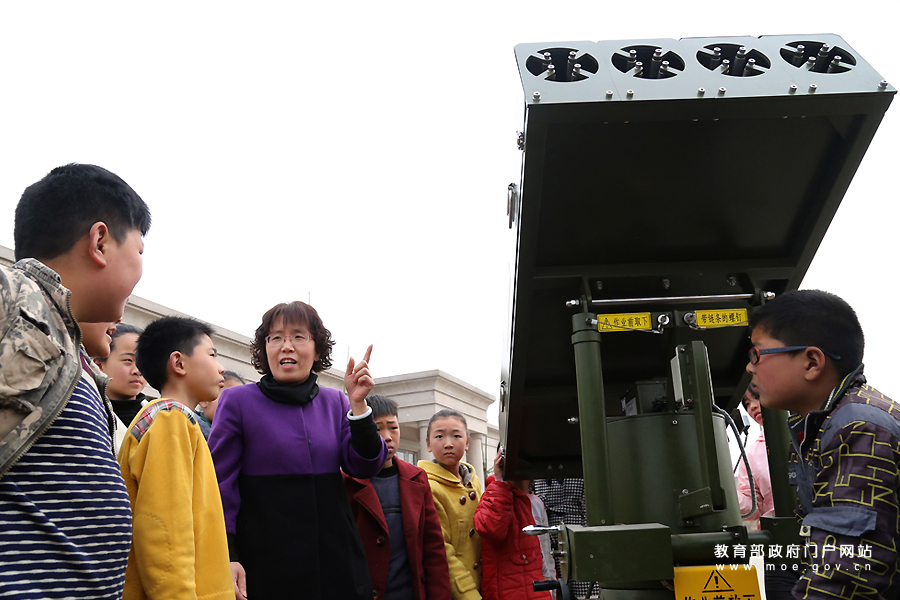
546 56
666 283
599 285
704 506
721 91
630 93
701 91
609 93
732 281
551 70
572 420
576 69
793 89
663 319
573 54
536 96
591 555
685 491
682 350
602 522
883 84
768 295
812 88
572 303
674 421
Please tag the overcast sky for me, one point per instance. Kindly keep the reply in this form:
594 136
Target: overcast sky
358 153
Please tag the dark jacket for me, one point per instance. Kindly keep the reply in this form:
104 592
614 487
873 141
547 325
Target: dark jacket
424 539
845 461
512 561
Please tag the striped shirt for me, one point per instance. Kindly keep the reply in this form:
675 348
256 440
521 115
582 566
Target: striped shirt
65 519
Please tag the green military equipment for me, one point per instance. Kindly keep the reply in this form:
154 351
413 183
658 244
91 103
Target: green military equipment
668 188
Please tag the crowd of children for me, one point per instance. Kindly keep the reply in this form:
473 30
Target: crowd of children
299 491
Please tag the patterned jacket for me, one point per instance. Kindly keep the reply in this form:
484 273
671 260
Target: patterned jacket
39 360
845 461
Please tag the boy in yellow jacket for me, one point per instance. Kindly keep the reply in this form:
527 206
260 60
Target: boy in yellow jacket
178 549
456 490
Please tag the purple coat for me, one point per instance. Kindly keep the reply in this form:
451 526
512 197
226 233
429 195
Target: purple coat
286 512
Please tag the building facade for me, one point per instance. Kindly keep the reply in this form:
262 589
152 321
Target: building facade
418 395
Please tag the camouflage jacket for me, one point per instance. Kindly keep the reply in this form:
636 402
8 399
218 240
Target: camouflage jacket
845 460
39 359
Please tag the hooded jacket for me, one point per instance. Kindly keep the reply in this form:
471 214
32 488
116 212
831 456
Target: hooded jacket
39 362
512 560
456 502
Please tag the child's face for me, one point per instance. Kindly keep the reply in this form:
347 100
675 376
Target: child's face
290 363
448 441
96 338
126 381
389 429
778 378
124 267
203 373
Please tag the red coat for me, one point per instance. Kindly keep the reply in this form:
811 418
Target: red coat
424 538
511 560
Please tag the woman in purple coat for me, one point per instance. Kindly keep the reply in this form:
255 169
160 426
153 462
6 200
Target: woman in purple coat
279 447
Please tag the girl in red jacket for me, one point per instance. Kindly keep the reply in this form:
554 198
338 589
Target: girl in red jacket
511 559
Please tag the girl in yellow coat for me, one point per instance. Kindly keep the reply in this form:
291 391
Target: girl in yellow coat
456 490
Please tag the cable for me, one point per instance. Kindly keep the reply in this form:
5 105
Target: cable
734 428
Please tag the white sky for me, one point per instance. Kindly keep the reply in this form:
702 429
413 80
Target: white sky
358 153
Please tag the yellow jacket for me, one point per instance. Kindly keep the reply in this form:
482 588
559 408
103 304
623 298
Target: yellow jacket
178 547
456 510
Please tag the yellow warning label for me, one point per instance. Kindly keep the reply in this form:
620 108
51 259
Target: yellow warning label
624 322
732 317
722 582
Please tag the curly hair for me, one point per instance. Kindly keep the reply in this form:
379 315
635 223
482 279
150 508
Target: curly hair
295 313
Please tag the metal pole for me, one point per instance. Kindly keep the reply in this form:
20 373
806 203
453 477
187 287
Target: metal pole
778 441
592 420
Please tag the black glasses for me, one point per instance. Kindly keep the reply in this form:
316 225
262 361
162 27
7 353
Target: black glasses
756 353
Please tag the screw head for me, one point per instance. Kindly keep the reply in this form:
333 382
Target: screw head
536 96
812 88
609 93
883 84
722 90
701 91
630 93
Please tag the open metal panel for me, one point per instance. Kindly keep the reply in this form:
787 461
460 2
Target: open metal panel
698 183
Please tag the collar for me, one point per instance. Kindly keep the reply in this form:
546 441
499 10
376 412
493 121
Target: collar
51 283
804 429
300 394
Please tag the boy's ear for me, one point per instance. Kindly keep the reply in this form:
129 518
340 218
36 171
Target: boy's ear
99 364
99 238
176 363
815 363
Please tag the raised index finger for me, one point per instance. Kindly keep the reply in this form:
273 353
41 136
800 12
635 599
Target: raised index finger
368 354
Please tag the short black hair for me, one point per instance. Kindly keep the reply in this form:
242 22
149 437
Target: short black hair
814 318
55 212
232 375
381 406
447 413
161 339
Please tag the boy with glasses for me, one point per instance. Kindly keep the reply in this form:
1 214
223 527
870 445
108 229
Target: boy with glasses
845 452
